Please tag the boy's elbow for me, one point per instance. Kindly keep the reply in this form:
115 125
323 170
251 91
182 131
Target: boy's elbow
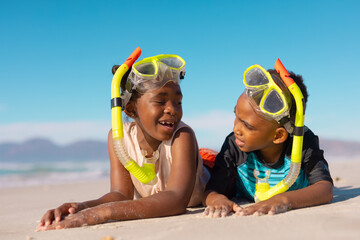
329 192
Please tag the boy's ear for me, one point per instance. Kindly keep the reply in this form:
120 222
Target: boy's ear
280 135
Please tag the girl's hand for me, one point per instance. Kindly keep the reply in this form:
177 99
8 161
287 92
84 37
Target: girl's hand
89 216
221 208
55 215
271 206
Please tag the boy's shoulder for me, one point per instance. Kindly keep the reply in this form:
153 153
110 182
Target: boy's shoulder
310 141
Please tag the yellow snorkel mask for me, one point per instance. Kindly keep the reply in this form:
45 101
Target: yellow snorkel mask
270 101
147 74
266 97
153 73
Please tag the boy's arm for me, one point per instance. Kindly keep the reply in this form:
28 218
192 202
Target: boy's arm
221 185
218 205
316 194
320 190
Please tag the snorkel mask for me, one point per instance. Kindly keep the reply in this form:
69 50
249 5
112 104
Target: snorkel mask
269 100
153 73
266 97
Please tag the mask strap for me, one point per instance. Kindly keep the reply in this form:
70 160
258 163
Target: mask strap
285 121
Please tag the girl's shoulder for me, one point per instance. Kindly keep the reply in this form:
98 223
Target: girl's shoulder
183 127
129 128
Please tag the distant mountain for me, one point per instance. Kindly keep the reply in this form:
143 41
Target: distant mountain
45 150
337 148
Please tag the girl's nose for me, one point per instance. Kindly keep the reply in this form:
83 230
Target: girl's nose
170 108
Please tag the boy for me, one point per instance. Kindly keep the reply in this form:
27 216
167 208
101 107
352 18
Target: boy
262 143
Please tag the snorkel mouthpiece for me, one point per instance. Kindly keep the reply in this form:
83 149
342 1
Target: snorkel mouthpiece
145 174
263 190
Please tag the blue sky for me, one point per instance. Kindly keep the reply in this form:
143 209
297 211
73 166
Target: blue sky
56 59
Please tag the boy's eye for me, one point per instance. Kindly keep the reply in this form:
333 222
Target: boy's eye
248 126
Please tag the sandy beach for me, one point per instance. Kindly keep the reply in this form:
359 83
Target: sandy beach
22 208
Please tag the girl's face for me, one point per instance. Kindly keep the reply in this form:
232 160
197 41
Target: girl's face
158 112
252 132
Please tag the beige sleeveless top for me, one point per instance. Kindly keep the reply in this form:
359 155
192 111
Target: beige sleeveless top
163 165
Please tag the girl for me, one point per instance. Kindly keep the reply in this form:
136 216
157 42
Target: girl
153 101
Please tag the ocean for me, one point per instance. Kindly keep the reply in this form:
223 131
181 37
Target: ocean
20 174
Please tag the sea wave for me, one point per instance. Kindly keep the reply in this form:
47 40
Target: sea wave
19 174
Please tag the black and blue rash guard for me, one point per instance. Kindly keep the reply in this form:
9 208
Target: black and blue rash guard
233 175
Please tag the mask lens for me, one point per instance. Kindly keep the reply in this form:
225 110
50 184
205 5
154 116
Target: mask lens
273 102
172 62
146 68
256 77
256 95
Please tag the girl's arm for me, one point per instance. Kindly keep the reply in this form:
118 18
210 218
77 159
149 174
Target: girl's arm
121 186
316 194
172 201
121 189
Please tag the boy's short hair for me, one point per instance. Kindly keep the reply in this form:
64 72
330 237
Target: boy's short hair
300 82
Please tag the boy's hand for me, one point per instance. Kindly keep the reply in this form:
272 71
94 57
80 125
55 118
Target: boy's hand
318 193
219 205
55 215
271 206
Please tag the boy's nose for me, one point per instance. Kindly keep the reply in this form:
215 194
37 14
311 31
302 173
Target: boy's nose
237 129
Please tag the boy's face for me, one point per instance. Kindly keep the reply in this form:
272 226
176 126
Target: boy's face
252 132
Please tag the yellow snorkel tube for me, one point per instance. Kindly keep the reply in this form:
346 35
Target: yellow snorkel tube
263 190
145 174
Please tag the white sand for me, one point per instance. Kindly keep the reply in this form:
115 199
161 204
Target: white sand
22 208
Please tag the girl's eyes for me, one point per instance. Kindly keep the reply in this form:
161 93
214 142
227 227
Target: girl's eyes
163 102
160 102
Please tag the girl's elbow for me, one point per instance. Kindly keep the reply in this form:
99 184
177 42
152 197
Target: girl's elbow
179 206
180 210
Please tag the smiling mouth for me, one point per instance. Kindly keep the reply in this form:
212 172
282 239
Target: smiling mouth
167 124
